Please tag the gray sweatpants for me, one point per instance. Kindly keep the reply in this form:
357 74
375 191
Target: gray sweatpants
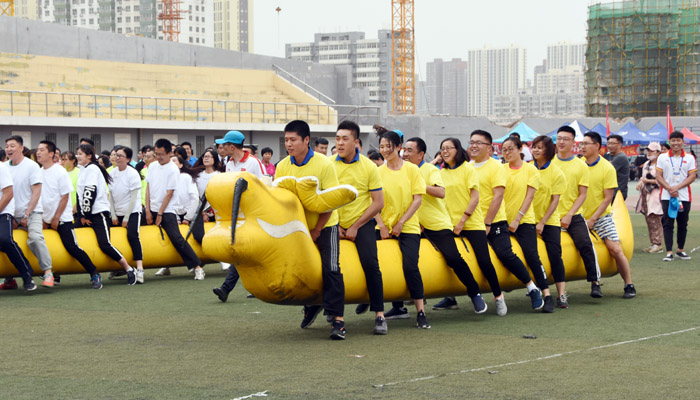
35 240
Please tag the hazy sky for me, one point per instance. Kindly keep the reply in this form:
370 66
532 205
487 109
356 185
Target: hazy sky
443 29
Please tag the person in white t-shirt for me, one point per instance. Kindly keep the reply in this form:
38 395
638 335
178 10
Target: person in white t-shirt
93 205
162 179
675 171
125 202
209 165
7 242
58 213
26 177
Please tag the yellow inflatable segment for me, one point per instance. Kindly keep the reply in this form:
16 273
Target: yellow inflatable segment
157 251
279 263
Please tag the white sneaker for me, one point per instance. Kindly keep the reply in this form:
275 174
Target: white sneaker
225 266
199 274
501 308
139 276
163 272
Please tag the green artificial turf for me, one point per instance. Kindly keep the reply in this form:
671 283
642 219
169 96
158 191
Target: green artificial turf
172 339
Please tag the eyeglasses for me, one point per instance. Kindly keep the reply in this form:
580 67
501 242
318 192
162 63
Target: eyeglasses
477 143
587 143
508 149
613 142
444 149
120 155
564 139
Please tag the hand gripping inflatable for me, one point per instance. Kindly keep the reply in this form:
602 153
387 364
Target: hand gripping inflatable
279 263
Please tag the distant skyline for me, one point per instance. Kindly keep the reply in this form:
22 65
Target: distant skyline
444 29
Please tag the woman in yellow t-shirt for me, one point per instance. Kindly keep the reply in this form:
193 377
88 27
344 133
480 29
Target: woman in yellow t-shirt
552 186
462 202
521 183
403 186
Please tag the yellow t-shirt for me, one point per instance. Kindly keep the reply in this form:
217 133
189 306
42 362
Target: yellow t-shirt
399 188
517 182
74 180
552 183
576 172
602 176
458 185
362 174
432 213
491 175
313 165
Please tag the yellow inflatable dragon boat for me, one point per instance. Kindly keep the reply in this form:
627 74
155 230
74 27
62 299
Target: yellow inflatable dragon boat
270 245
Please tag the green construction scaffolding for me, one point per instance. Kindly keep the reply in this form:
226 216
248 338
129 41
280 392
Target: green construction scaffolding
642 56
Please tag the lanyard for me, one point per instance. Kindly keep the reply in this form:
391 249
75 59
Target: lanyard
673 168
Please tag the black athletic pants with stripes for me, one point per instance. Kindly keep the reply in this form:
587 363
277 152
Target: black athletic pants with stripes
100 224
409 244
551 235
480 246
328 244
366 244
66 232
169 224
14 253
499 237
444 240
132 234
582 240
526 235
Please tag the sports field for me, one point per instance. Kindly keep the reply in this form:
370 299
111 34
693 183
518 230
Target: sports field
172 339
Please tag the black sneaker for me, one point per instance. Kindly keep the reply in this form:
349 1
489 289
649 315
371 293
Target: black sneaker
330 318
630 292
250 296
96 281
338 330
448 303
595 290
397 313
310 314
422 321
548 305
361 308
221 294
130 277
669 257
380 327
56 279
682 255
29 286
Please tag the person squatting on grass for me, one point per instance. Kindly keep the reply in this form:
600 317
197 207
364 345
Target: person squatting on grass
93 205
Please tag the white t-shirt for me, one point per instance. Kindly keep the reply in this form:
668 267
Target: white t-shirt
24 175
57 183
186 194
123 182
203 180
91 175
5 181
675 169
162 178
248 163
527 154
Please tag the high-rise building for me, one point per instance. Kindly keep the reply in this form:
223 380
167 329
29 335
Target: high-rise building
233 25
370 58
446 87
494 72
28 9
197 24
564 54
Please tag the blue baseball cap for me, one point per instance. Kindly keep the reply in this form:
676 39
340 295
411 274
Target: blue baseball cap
234 137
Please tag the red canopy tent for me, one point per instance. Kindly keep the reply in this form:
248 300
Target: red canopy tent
690 136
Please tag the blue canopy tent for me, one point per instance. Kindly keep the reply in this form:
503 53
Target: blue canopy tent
526 133
602 131
657 133
632 135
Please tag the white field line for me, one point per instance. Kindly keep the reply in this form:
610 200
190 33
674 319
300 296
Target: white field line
491 367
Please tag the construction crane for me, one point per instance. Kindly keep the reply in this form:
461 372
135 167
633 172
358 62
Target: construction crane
7 7
170 17
403 85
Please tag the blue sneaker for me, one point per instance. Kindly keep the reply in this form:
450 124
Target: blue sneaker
536 299
448 303
479 304
96 281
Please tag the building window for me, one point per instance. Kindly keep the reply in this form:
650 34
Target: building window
73 141
51 136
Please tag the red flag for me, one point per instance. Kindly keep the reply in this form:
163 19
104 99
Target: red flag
668 120
607 122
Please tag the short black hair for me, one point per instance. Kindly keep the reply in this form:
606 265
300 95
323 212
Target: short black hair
568 129
164 144
595 137
515 134
299 127
88 141
484 134
351 126
392 137
146 148
127 152
186 144
266 150
50 146
420 143
666 145
617 137
676 135
16 138
320 140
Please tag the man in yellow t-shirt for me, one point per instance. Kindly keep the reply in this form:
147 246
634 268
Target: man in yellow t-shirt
437 225
492 183
570 202
596 208
301 162
357 222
